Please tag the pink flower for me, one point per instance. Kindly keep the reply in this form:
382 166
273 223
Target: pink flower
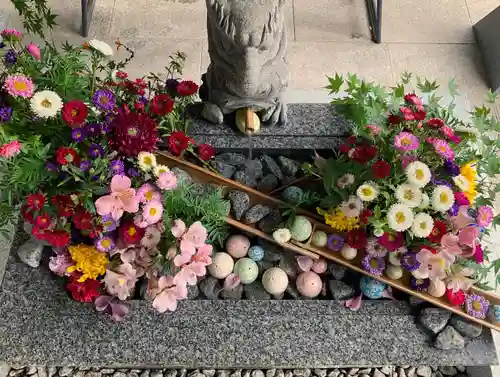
118 310
187 276
167 181
59 263
462 219
461 199
435 264
204 255
450 243
374 130
407 160
414 99
305 263
148 193
467 236
122 282
19 86
484 216
447 131
459 279
10 149
151 237
443 149
34 50
478 254
122 198
194 237
231 282
152 212
168 295
407 113
10 33
405 141
178 228
182 259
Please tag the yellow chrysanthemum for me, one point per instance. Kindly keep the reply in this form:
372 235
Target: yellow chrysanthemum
338 221
469 172
88 260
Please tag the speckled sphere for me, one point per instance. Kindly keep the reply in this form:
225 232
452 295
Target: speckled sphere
237 245
394 272
222 265
495 313
348 252
436 288
275 281
247 270
372 288
309 284
256 253
319 238
320 266
301 229
292 194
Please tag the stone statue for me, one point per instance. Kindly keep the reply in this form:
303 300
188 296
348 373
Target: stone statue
247 72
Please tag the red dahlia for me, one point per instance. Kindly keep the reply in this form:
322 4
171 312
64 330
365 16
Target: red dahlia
352 140
414 99
43 221
65 156
363 153
82 220
419 115
130 233
455 298
206 151
74 113
27 214
394 119
344 148
36 202
435 123
86 291
381 169
58 238
133 133
438 231
356 239
364 216
186 88
178 142
64 205
161 104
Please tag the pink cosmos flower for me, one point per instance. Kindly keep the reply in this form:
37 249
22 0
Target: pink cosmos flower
460 278
374 130
122 198
122 282
34 50
435 264
167 181
168 295
152 212
60 262
407 113
118 310
19 86
10 149
484 216
443 149
148 193
151 237
462 219
405 141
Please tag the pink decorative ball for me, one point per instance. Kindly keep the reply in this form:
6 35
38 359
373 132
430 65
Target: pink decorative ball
309 284
237 246
319 266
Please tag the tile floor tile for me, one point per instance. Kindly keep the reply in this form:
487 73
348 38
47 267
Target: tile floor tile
426 21
331 20
480 8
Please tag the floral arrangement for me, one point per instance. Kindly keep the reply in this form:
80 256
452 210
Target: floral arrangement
413 188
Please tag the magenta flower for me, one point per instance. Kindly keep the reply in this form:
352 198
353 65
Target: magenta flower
443 149
122 198
484 216
407 113
405 141
19 86
34 50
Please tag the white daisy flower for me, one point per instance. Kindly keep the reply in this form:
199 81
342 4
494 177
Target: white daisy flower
399 217
345 180
147 161
282 235
418 173
160 169
46 103
425 201
462 183
352 207
367 192
422 225
409 195
442 198
101 46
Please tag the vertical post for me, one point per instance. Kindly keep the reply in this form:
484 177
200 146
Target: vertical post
84 26
375 19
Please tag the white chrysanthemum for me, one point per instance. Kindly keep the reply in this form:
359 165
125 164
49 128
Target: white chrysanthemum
160 169
422 225
147 161
399 217
101 46
352 207
418 173
442 198
425 201
367 192
409 195
462 183
282 235
345 180
46 103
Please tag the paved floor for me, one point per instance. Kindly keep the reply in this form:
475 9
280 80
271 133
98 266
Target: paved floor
427 37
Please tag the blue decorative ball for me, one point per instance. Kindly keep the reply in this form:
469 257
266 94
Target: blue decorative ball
496 313
372 288
292 194
256 253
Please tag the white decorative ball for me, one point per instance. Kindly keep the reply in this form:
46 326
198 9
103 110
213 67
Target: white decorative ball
394 272
319 238
275 281
222 265
348 252
436 288
247 270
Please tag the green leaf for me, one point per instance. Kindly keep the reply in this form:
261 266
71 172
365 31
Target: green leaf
491 97
406 77
335 83
452 87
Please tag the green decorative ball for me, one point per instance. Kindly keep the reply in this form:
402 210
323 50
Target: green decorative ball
292 194
247 270
301 229
319 238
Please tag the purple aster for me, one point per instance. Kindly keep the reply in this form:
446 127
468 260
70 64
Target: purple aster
10 57
108 223
5 114
335 242
133 172
105 128
105 244
172 84
476 306
451 168
409 261
439 182
77 135
109 118
96 150
117 167
92 129
373 265
143 100
51 166
104 100
85 165
453 211
419 285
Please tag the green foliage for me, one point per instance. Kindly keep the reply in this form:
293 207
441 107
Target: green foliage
36 16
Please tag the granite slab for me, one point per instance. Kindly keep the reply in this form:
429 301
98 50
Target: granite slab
40 324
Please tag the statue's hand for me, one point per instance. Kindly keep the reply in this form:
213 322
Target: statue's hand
276 114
